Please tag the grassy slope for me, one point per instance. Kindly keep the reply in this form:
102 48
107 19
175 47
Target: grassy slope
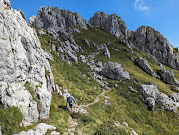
124 106
127 106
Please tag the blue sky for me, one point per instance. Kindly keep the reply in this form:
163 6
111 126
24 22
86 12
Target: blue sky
163 15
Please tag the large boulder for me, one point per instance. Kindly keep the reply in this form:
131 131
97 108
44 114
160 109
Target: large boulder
103 48
114 71
155 44
145 66
168 77
22 61
151 95
110 23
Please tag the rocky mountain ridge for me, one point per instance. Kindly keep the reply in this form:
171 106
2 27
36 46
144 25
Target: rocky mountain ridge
144 38
102 63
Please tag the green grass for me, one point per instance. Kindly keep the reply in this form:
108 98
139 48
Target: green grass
124 106
10 119
93 35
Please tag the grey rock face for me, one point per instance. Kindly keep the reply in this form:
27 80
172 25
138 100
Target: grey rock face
86 42
31 20
103 48
128 43
168 77
155 44
145 66
131 89
112 24
58 20
22 60
41 32
40 129
59 92
152 95
53 47
83 58
55 133
5 4
150 102
175 97
114 71
23 15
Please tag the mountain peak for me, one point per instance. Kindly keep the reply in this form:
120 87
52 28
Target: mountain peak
110 23
56 19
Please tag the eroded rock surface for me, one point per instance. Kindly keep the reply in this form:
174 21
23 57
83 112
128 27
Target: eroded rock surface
168 76
22 61
58 20
155 44
151 95
145 66
40 129
114 71
110 23
103 48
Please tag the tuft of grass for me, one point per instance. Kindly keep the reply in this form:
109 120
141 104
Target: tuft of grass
10 119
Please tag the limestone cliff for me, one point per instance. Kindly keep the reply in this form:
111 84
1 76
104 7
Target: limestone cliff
22 62
58 20
155 44
112 24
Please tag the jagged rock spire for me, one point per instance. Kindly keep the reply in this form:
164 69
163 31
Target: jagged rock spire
56 19
110 23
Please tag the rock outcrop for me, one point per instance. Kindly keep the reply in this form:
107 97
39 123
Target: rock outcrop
22 61
40 129
167 76
67 51
155 44
151 95
58 20
103 48
175 97
114 71
145 66
112 24
144 38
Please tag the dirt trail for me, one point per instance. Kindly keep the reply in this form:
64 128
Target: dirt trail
97 99
72 123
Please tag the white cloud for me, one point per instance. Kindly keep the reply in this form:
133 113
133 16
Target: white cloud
140 5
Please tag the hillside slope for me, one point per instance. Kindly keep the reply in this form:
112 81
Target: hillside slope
121 85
